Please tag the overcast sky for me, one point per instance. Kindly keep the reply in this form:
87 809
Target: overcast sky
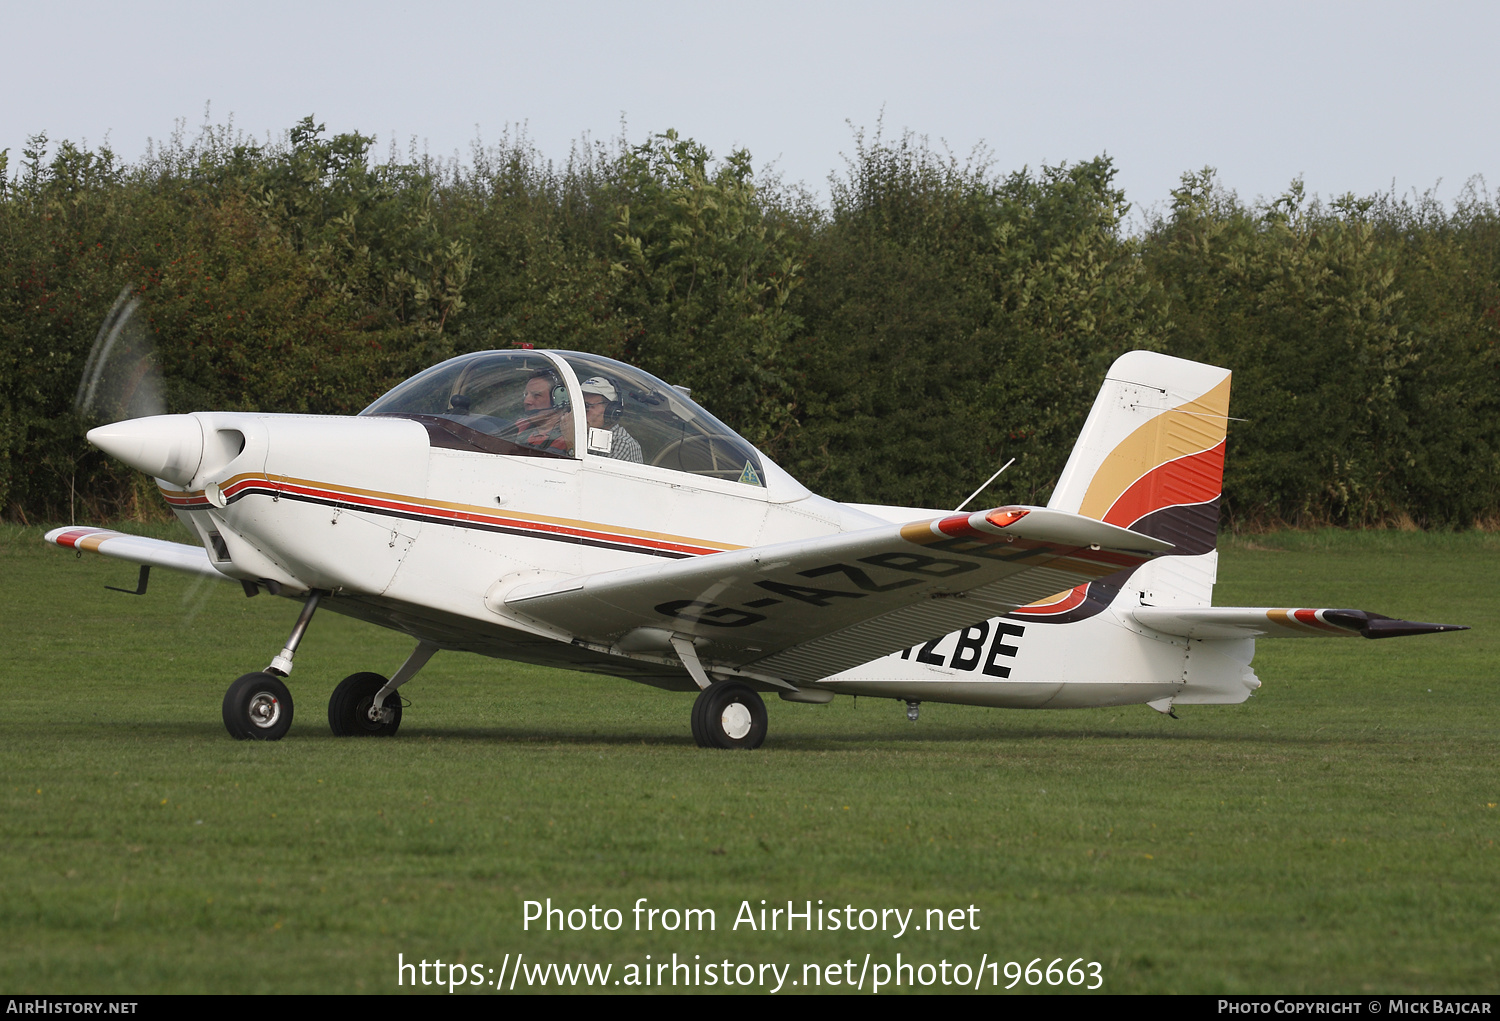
1351 96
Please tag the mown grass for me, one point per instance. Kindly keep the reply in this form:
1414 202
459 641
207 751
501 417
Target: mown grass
1335 833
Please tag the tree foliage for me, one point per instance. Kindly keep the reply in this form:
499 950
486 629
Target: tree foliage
935 319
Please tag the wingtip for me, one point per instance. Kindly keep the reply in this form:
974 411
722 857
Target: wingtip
69 536
1377 625
1401 628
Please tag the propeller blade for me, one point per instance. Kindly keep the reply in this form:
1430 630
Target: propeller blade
121 379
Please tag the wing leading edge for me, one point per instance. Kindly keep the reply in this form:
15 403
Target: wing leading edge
800 611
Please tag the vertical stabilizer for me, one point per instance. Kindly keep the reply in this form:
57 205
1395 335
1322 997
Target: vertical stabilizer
1151 459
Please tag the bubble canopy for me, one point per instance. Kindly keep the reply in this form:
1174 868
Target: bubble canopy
568 404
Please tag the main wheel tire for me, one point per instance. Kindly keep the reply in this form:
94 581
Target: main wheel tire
727 714
349 707
258 707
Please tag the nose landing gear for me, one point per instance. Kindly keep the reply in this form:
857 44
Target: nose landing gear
258 707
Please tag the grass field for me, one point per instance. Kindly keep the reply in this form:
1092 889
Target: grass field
1335 833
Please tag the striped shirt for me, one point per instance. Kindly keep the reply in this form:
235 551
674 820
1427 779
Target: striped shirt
623 446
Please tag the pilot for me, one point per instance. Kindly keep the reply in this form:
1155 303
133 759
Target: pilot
538 396
544 423
602 400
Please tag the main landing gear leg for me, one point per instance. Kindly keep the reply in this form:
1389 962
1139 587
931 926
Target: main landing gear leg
362 704
258 707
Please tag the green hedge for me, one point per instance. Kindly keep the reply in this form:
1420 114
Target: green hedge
934 319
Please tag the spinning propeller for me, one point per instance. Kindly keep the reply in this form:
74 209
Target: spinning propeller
121 379
122 382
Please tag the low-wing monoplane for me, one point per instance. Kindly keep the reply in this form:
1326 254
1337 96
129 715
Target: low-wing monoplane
566 509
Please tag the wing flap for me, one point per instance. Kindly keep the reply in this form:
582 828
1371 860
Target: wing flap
807 609
1272 622
137 549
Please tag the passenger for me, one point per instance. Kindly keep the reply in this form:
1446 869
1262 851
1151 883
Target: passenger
603 404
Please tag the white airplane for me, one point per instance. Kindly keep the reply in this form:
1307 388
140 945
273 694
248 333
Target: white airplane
569 510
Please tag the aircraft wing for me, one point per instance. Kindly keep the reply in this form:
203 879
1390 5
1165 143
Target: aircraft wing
799 611
1270 622
137 549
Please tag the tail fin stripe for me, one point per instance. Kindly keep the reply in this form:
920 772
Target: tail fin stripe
1059 603
1194 427
1076 604
1190 479
1193 528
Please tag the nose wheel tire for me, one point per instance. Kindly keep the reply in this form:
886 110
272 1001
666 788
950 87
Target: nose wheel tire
349 707
258 707
728 714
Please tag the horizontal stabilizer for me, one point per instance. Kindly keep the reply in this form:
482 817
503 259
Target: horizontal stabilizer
137 549
1267 622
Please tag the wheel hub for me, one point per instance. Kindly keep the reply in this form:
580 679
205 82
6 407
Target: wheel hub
384 714
265 710
735 720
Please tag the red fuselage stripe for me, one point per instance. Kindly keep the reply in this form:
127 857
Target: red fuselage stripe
451 514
